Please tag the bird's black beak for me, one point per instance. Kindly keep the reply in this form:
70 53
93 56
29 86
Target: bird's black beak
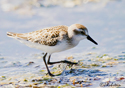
89 38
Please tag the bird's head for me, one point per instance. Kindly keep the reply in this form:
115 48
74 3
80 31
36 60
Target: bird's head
79 32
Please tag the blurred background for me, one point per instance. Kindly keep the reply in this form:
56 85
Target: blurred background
105 20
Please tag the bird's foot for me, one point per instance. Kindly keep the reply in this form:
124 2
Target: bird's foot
50 74
50 63
69 62
64 61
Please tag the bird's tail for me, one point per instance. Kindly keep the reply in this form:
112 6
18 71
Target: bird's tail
11 34
16 35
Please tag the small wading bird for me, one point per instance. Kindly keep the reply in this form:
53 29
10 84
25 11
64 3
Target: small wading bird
54 39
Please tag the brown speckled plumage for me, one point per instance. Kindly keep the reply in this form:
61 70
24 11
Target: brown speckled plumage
48 36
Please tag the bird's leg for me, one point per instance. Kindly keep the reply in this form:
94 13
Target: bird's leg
64 61
44 59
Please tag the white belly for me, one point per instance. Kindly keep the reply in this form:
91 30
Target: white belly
49 49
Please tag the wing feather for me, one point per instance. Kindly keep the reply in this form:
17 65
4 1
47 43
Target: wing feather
48 36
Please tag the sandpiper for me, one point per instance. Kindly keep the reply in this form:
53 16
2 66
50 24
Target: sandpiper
54 39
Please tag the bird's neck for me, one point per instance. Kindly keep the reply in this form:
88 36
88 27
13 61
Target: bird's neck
73 41
72 37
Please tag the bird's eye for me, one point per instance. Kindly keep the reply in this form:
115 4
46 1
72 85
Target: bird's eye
82 32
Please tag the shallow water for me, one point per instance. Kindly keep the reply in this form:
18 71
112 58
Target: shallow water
105 21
